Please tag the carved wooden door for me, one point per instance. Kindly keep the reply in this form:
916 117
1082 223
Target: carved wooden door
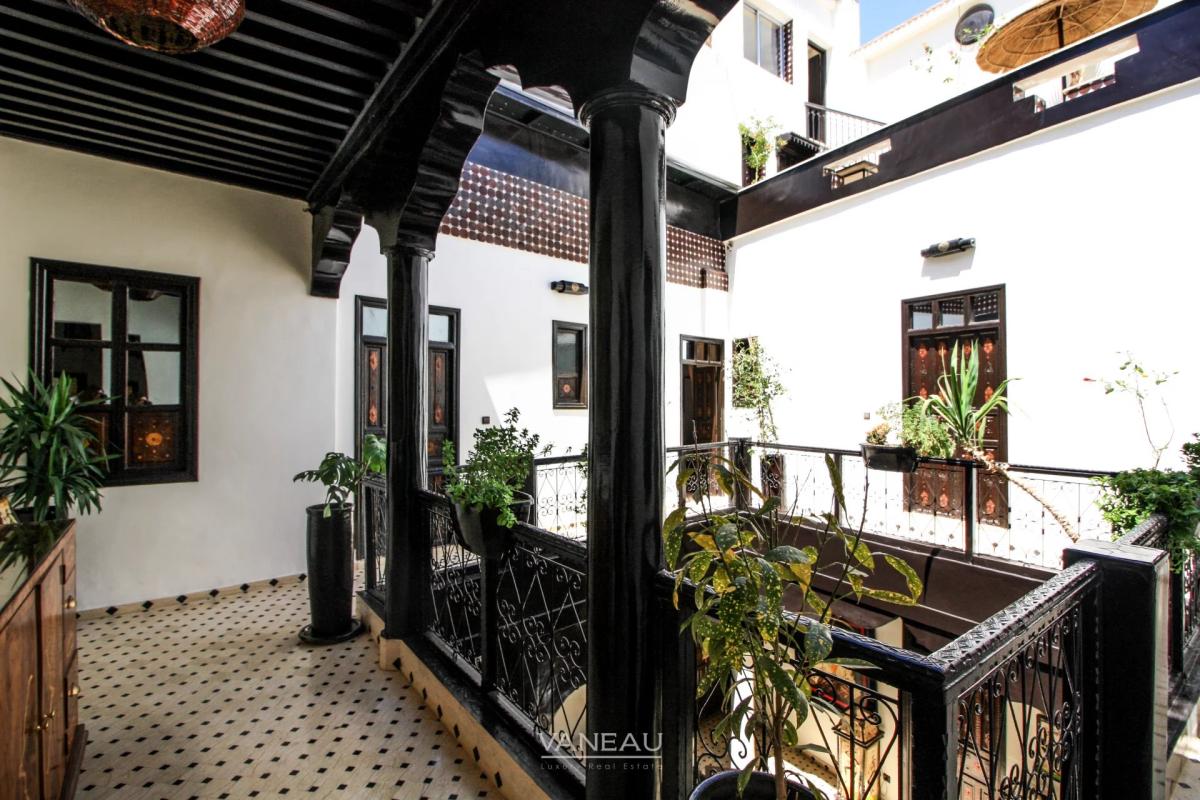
372 379
702 403
973 319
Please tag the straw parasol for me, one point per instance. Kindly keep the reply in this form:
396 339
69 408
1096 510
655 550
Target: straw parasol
1051 25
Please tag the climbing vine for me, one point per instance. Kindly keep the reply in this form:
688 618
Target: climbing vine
756 385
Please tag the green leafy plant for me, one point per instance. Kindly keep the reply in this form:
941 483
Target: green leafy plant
966 423
756 386
741 567
918 428
1132 496
49 456
342 475
1191 454
498 465
757 139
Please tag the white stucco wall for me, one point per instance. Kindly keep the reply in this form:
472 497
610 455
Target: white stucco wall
1089 237
726 89
266 363
507 310
899 78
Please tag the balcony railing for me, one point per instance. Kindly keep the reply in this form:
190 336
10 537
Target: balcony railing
1010 708
516 626
1006 710
831 128
947 503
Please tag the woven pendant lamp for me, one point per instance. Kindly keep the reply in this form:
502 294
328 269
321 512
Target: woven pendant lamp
165 26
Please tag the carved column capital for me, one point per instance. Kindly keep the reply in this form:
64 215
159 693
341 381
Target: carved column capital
625 96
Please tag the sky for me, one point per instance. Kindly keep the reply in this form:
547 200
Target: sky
881 15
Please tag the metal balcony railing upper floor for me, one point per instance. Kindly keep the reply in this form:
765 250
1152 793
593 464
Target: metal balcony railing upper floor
831 128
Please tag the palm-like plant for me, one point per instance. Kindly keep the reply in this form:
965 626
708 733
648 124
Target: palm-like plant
49 456
342 475
955 406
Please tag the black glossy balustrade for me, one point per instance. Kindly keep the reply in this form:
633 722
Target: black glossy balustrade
1015 706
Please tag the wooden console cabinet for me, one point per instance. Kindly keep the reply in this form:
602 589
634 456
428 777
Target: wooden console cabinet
41 740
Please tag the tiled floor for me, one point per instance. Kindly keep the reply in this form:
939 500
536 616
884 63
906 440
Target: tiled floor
218 699
1187 786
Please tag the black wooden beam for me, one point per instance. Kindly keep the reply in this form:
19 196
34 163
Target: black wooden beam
264 83
133 154
433 40
335 229
155 117
64 114
17 67
249 105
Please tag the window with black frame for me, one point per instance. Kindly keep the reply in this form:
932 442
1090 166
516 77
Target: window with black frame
127 340
570 365
763 41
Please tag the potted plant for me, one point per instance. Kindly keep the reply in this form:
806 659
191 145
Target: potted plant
50 461
759 654
485 493
966 423
330 528
908 432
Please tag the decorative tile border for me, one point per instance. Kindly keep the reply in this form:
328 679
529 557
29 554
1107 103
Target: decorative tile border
495 207
212 595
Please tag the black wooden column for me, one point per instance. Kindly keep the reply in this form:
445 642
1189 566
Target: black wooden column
408 354
626 442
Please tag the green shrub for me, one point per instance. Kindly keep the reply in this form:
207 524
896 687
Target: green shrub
918 427
1191 454
1131 497
499 465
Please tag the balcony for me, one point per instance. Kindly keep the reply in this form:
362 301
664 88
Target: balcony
994 680
825 129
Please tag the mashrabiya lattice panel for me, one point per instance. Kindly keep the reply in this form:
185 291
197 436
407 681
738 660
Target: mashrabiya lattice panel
495 207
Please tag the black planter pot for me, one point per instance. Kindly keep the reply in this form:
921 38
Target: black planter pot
330 576
723 786
889 458
480 528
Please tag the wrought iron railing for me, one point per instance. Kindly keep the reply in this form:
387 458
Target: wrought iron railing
515 626
542 655
560 495
1006 710
947 503
930 506
832 129
455 586
373 516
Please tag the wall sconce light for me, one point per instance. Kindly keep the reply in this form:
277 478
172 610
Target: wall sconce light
569 287
947 248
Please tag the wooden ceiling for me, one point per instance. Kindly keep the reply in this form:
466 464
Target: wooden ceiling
267 108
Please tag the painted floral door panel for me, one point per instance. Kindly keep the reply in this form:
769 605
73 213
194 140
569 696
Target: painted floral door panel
941 324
